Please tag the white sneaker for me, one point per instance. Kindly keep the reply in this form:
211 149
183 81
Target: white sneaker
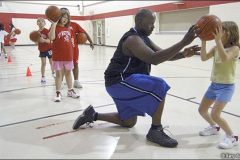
77 84
43 80
211 130
73 94
58 97
228 142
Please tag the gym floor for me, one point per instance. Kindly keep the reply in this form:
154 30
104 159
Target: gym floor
33 126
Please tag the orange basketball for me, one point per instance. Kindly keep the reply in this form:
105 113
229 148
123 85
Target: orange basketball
17 31
81 38
35 36
207 25
53 13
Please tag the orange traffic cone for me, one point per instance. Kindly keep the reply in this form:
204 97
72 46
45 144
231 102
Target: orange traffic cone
9 59
28 72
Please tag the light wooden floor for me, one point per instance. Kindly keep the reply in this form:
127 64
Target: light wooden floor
33 126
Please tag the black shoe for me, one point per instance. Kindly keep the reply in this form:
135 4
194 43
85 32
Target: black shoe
158 136
86 117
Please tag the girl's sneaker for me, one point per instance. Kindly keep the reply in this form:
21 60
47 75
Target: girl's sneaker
58 97
228 142
43 80
77 84
211 130
72 93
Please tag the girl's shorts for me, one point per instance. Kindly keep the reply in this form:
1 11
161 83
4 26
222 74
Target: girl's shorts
46 54
220 92
59 65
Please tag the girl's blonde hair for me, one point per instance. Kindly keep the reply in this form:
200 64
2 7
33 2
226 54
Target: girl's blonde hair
68 15
232 32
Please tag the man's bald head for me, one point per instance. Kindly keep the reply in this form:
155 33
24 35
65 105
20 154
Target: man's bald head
142 14
144 21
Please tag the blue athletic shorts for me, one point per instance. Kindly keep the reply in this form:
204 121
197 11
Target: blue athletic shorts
220 92
138 94
46 54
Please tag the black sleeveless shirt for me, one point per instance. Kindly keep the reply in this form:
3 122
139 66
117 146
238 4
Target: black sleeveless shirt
122 66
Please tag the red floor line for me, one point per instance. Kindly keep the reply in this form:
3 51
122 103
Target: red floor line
53 124
59 134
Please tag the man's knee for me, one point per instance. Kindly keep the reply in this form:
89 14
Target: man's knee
130 122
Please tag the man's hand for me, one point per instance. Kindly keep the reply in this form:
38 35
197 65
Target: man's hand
190 51
190 35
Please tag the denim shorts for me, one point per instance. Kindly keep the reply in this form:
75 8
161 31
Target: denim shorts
220 92
45 54
138 94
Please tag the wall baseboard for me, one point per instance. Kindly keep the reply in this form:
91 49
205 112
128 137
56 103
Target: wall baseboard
82 44
23 45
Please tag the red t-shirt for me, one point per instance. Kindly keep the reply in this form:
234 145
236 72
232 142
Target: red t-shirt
62 49
75 29
43 47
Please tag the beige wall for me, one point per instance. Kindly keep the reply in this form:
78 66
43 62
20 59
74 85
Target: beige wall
225 12
116 26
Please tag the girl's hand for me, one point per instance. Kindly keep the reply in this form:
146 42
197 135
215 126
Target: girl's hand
218 33
53 23
92 46
41 40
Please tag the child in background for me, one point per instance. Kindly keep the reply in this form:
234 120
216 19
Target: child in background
221 90
44 47
13 38
75 29
3 33
62 50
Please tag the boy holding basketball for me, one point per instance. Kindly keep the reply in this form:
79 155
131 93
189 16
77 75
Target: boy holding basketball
44 47
221 90
60 34
75 29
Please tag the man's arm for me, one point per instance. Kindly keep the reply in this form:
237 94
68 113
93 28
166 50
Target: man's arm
188 52
179 55
134 46
176 57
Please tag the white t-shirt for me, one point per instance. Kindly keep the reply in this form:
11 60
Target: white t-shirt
2 35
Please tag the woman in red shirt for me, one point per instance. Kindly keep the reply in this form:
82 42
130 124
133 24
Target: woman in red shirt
62 54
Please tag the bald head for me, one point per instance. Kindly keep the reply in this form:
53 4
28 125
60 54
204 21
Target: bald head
144 21
141 14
